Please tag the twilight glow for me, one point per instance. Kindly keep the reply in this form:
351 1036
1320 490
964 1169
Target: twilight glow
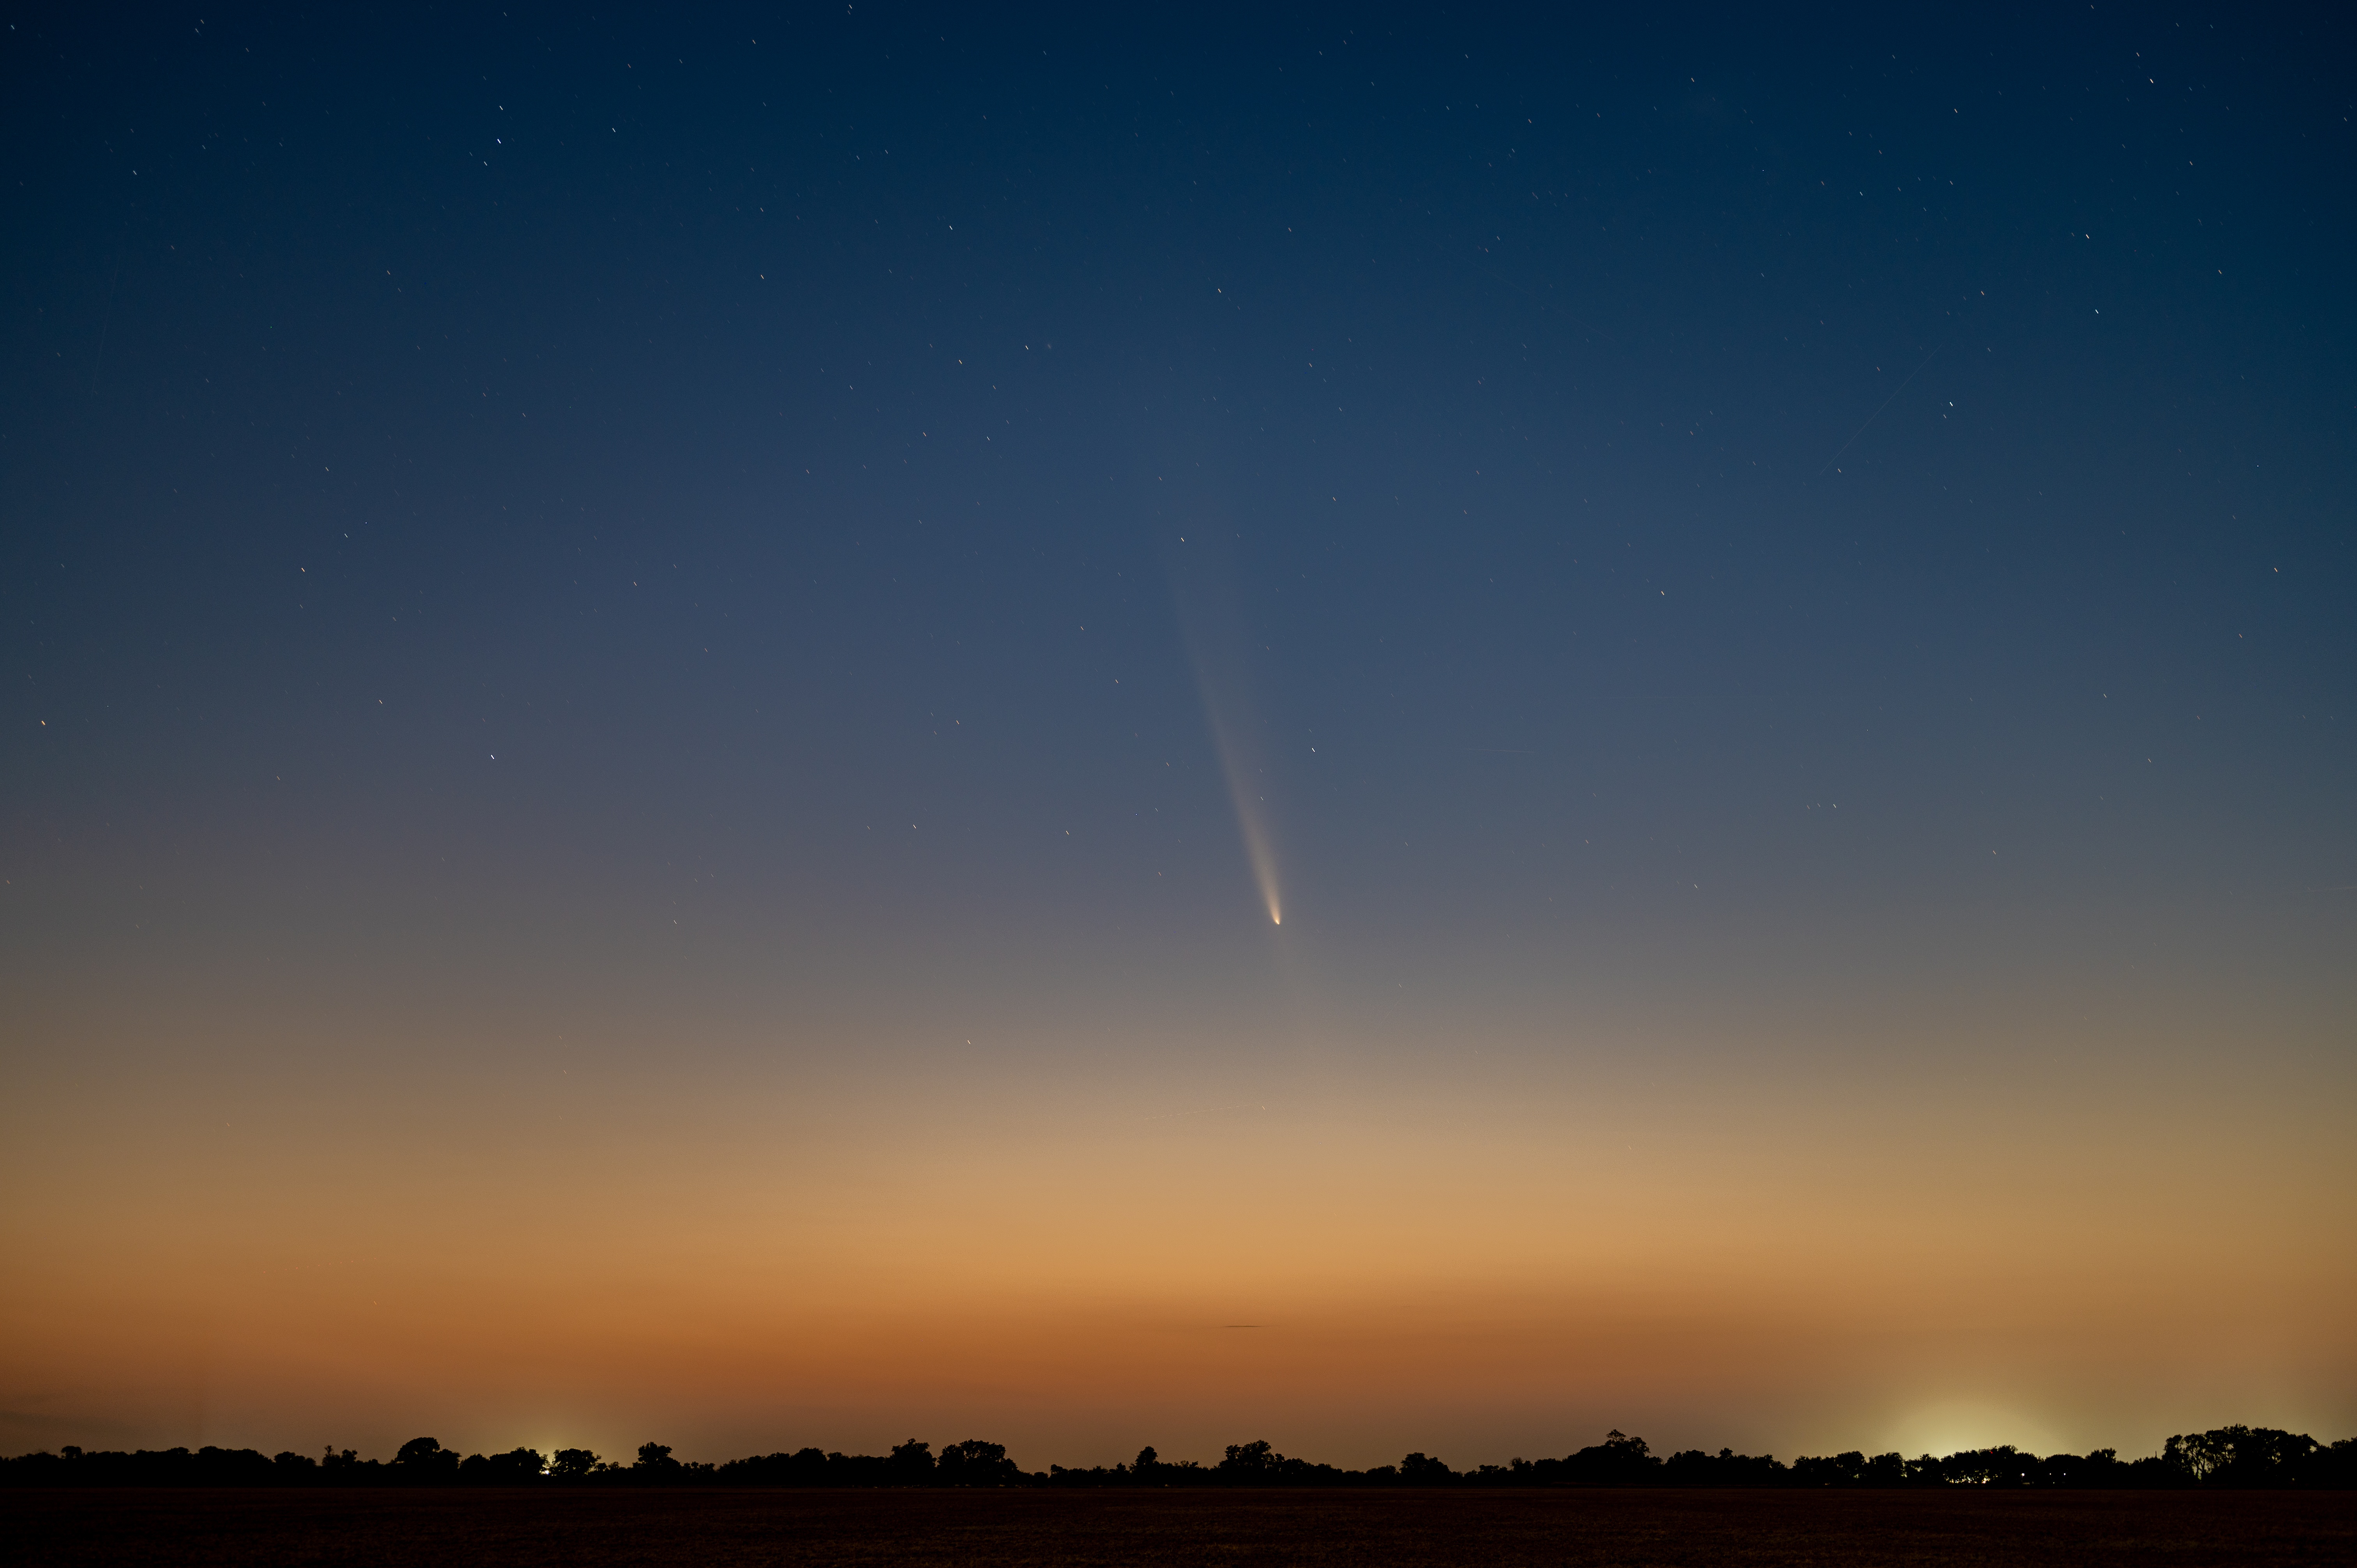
764 731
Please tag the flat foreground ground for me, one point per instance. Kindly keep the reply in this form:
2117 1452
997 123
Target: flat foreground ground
593 1528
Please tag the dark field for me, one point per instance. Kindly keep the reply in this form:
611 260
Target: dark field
597 1528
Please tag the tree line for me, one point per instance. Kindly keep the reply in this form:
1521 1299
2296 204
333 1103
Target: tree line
2226 1456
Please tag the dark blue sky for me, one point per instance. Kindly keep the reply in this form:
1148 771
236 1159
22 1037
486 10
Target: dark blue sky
701 416
531 506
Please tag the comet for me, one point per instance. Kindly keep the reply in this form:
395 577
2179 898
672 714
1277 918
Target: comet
1229 737
1211 620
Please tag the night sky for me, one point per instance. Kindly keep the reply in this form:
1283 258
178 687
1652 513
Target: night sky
1409 731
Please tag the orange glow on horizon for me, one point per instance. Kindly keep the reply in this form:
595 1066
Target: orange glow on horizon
761 1263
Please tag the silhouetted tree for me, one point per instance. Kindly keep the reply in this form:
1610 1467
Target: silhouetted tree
1250 1463
2004 1466
2239 1455
423 1459
974 1463
573 1465
2335 1467
1724 1468
2224 1457
1620 1460
1418 1470
911 1464
345 1468
516 1467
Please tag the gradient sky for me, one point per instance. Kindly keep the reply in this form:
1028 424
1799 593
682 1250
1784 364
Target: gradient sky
664 674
